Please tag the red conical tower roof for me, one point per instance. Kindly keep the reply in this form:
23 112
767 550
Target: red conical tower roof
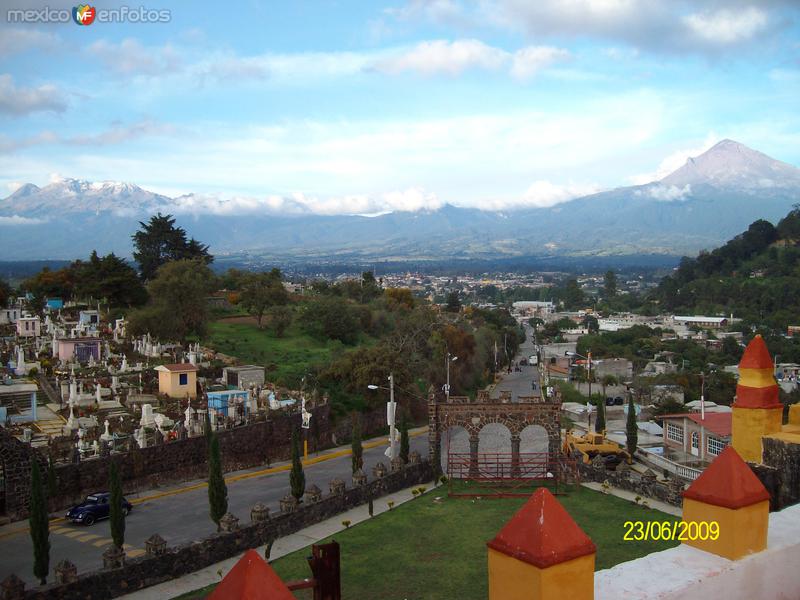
727 482
542 533
251 579
757 387
756 355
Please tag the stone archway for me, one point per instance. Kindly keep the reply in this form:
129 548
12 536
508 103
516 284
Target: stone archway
515 416
454 439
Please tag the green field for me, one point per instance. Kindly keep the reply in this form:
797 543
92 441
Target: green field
432 550
287 359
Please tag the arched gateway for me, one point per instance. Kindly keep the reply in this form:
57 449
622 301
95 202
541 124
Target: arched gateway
459 411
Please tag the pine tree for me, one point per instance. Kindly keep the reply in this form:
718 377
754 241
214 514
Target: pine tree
297 478
404 444
632 428
39 526
600 423
217 491
115 512
356 449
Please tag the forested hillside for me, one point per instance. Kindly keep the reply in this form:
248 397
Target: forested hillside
755 276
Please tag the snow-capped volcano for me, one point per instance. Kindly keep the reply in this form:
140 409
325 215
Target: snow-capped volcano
79 196
729 164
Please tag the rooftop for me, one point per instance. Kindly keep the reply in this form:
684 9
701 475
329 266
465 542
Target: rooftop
177 368
717 423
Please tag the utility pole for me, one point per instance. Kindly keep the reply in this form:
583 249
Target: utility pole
390 414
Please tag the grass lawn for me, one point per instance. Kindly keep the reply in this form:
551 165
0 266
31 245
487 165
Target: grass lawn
437 550
287 359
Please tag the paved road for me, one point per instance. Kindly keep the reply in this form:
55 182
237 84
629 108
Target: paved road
519 383
179 514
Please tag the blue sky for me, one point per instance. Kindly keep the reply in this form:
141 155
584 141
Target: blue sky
360 107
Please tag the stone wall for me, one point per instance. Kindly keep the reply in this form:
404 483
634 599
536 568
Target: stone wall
148 570
784 457
244 447
15 460
645 485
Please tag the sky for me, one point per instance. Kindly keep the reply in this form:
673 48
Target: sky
365 107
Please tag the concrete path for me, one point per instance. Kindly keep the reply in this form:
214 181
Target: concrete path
281 547
625 495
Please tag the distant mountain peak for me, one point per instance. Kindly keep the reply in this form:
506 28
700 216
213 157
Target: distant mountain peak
24 190
730 164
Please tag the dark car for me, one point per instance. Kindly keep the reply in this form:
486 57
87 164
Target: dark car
609 401
619 401
95 507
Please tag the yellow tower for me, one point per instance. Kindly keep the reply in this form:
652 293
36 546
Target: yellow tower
757 411
730 501
541 554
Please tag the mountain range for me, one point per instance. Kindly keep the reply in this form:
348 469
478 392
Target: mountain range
706 201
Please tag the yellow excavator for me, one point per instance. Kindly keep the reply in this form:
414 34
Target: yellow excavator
592 444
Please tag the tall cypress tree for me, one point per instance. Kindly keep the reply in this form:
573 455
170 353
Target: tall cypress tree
217 490
404 444
52 483
115 511
39 525
600 423
631 428
297 479
356 449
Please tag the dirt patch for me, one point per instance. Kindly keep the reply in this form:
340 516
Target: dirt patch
246 320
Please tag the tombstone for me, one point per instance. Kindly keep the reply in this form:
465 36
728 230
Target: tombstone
313 493
379 470
114 382
98 397
96 448
188 418
124 366
155 545
259 513
66 572
396 464
147 419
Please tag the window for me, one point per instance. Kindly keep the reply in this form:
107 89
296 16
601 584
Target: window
675 432
695 440
183 379
715 446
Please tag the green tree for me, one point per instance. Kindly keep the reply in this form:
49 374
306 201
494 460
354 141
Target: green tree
356 449
116 511
260 291
331 317
217 490
297 479
39 525
600 422
109 278
52 482
280 319
632 428
609 284
607 380
178 304
453 302
404 443
159 241
5 292
572 294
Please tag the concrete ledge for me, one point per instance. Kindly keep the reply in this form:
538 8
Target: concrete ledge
686 573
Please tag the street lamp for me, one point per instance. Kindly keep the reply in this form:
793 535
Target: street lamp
448 359
589 361
390 412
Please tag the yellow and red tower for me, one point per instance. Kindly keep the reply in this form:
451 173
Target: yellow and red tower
757 411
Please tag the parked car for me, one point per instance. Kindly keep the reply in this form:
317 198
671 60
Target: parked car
619 401
609 401
95 507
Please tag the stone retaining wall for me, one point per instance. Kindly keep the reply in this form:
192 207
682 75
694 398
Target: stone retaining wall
645 485
174 562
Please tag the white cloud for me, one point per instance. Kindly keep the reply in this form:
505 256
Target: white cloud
13 186
15 220
130 57
542 194
118 133
529 61
442 56
15 40
727 26
666 193
674 161
16 100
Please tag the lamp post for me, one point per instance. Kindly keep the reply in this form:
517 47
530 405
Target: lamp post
588 359
448 359
390 413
